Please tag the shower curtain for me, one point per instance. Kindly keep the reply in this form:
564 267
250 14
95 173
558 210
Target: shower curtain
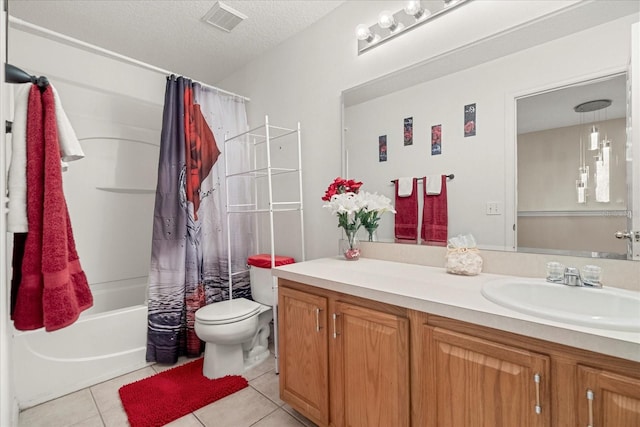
189 255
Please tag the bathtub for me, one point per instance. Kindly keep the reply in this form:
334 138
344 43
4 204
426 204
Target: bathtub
107 340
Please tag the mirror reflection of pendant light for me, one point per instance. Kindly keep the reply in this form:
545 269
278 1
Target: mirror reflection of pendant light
602 157
594 135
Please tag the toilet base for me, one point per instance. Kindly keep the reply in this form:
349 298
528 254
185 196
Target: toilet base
221 360
256 356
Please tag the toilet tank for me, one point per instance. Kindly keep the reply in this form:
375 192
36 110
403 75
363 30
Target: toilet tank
261 278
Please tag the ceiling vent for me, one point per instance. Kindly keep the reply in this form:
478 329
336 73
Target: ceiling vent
223 17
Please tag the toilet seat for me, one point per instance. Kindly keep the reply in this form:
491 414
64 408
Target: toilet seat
230 311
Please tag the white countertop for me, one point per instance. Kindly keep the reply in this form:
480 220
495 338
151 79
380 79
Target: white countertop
432 290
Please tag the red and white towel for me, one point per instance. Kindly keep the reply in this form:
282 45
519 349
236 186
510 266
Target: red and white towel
435 217
406 217
53 290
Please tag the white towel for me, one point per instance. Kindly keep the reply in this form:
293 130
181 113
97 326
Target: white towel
70 148
405 187
434 185
17 177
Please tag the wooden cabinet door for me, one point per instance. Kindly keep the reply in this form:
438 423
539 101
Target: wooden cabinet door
479 383
370 355
607 400
304 358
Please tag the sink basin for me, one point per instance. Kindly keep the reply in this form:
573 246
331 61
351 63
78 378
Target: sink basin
606 308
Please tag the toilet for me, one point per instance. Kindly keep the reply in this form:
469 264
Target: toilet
236 331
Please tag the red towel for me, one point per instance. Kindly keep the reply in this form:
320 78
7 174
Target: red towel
54 289
407 215
435 218
27 313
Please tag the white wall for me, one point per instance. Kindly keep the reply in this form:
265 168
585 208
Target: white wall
303 78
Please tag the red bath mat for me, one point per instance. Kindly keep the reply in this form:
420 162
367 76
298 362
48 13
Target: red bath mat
169 395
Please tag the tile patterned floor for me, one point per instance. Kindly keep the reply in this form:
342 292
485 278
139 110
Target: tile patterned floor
99 406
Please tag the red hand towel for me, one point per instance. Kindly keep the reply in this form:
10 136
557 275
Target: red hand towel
406 216
435 218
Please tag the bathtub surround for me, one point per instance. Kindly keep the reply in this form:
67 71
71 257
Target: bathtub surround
169 395
53 289
189 251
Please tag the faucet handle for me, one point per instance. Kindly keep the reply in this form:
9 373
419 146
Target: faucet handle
592 276
555 272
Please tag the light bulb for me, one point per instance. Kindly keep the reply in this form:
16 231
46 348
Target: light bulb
413 8
385 20
363 33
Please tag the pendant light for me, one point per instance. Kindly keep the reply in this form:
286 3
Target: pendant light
601 158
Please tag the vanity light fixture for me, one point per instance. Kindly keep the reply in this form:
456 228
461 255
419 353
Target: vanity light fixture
390 25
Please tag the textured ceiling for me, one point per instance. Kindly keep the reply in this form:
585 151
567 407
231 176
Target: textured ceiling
171 34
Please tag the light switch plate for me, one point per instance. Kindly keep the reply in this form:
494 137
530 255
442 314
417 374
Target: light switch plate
494 208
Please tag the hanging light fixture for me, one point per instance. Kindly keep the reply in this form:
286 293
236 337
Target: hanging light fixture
601 158
582 183
594 135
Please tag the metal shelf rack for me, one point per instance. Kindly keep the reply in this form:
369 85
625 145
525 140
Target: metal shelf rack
262 138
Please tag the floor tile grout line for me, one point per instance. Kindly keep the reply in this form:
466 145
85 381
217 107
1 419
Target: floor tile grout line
264 417
95 402
278 405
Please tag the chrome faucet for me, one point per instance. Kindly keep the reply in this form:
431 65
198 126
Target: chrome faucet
572 277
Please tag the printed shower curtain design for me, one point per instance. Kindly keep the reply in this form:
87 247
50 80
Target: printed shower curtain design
189 249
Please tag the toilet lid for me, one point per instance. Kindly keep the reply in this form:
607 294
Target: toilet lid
228 311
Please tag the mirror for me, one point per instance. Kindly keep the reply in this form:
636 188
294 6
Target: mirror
486 198
571 187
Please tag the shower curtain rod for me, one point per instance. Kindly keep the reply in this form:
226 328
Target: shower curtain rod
35 29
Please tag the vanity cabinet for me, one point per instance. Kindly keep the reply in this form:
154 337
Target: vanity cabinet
606 399
476 382
350 361
304 357
343 361
499 378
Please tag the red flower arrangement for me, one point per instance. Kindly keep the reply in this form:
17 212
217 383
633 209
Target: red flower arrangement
340 186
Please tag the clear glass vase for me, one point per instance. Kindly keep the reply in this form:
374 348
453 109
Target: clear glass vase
350 246
373 234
